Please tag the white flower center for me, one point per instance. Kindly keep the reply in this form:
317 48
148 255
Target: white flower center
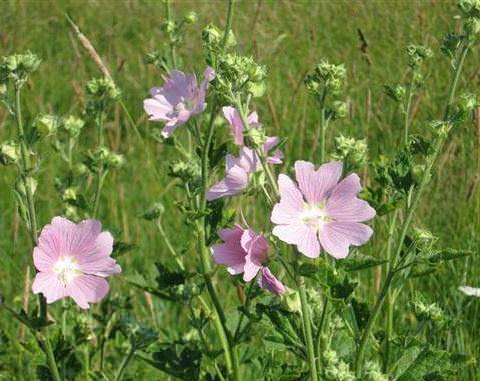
66 269
315 216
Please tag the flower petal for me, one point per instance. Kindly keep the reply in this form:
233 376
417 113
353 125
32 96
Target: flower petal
291 202
235 181
336 237
269 282
301 235
50 286
347 209
86 289
233 117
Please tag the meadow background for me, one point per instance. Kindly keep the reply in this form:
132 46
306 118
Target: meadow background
290 37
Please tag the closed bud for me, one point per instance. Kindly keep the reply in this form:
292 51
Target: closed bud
472 26
212 36
417 54
352 151
17 67
338 110
70 194
469 8
423 239
291 301
168 27
103 88
255 137
154 212
73 125
9 152
467 102
191 17
47 124
397 93
31 183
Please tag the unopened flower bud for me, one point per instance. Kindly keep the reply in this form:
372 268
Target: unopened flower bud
31 183
423 239
154 212
254 137
397 93
168 27
70 194
467 102
472 26
17 67
191 17
47 124
351 150
9 152
417 54
339 110
73 125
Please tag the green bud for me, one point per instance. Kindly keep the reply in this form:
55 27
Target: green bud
212 36
255 137
440 127
47 124
103 158
188 171
191 18
429 311
351 150
468 102
168 27
17 67
450 44
373 372
472 26
291 301
70 194
9 152
417 54
423 239
31 184
103 88
338 110
397 93
469 8
73 125
154 212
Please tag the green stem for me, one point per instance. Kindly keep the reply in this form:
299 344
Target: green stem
307 330
228 24
168 12
169 245
323 126
125 362
440 140
98 191
321 347
47 349
407 108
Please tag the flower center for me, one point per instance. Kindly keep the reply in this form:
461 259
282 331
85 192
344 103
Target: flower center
185 104
315 216
66 269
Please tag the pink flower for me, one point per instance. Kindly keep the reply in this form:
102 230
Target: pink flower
233 118
237 175
178 99
243 251
269 282
74 260
319 211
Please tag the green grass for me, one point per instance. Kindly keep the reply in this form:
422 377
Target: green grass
289 37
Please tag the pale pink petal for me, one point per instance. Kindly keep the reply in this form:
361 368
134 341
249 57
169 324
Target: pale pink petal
167 131
235 181
230 255
49 285
349 187
97 260
255 245
301 235
349 209
291 202
269 282
336 237
250 270
86 289
157 110
317 185
235 122
234 234
55 237
248 160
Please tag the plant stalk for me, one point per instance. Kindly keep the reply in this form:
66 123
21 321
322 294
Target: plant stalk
440 140
125 362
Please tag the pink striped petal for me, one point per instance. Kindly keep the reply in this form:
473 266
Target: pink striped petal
337 237
291 202
86 289
301 235
50 286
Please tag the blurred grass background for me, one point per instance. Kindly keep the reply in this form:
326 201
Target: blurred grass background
290 37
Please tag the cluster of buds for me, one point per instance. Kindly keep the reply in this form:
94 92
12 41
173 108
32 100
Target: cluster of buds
73 126
102 158
102 92
17 68
213 37
238 74
335 368
470 10
352 151
9 152
188 171
430 312
326 77
373 372
417 54
423 239
464 108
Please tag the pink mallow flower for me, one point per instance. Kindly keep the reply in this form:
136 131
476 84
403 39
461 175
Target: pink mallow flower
74 260
318 211
178 99
243 252
233 118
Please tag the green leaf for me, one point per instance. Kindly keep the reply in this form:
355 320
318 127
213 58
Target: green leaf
358 262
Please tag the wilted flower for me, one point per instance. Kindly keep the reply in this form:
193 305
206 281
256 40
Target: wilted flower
245 251
74 260
319 211
178 99
269 282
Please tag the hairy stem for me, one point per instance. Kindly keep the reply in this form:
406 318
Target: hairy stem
125 362
168 13
323 126
406 125
307 330
439 142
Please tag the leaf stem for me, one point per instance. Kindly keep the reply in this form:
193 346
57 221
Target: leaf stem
125 362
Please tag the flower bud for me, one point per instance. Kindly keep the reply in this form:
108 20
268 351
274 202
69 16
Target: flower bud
17 67
339 110
397 93
254 137
3 89
469 8
423 239
73 125
417 54
70 194
103 88
154 212
168 27
9 152
351 150
31 184
191 17
47 124
467 102
472 26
